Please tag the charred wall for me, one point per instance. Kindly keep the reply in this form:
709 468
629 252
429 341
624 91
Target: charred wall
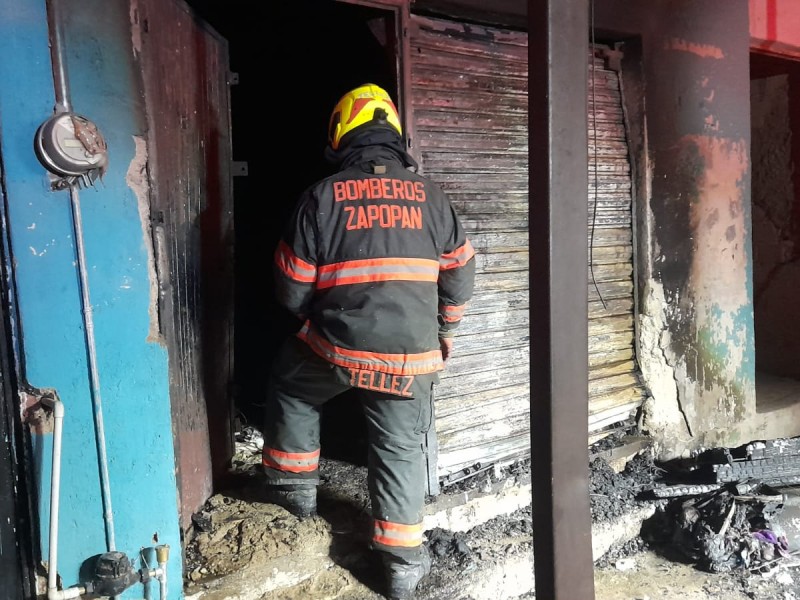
695 286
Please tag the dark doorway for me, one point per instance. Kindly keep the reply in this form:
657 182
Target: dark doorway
294 59
775 152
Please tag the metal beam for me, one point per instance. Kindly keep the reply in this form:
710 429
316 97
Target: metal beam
558 56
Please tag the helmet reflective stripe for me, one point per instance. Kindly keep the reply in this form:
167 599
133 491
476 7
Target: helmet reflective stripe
367 104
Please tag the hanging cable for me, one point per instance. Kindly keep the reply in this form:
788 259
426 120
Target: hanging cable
595 157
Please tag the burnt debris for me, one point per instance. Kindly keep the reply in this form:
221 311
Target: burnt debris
772 462
730 508
722 530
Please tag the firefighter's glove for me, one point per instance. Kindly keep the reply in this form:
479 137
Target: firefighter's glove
446 344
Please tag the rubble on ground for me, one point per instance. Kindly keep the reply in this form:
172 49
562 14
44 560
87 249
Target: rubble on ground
717 514
722 508
770 462
722 530
726 543
612 494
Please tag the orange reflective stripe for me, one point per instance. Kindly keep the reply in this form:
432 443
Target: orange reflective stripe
294 462
458 257
378 269
395 364
451 314
379 277
397 534
294 267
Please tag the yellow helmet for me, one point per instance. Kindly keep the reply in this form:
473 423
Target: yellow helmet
368 104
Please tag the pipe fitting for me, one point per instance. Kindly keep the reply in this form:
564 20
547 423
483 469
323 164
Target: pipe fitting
159 573
72 592
162 556
55 405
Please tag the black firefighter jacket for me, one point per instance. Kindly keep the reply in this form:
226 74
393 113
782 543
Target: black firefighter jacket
377 264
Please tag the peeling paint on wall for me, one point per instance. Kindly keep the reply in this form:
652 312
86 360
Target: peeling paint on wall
703 50
695 338
33 414
665 418
718 275
136 177
696 344
717 220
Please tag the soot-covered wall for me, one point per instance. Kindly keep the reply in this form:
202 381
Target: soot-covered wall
696 342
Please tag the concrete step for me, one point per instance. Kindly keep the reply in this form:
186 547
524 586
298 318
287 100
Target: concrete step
480 540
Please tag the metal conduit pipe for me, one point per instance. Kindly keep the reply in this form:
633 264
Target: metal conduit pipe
118 581
57 54
97 406
63 103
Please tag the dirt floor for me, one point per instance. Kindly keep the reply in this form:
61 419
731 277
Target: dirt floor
244 549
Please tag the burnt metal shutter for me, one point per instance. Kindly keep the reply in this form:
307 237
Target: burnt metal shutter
615 387
469 106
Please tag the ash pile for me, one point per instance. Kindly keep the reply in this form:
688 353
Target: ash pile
731 508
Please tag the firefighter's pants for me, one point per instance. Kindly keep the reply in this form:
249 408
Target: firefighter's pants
301 383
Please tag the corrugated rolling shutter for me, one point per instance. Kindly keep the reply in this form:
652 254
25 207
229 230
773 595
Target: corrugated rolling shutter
615 389
469 106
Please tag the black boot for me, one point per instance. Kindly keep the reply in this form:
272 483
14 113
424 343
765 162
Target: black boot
299 500
403 575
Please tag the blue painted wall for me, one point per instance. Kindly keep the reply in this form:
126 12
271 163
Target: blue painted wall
133 373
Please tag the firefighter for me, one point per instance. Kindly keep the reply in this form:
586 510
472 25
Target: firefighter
376 265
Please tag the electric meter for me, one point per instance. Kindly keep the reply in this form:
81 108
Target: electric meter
70 145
